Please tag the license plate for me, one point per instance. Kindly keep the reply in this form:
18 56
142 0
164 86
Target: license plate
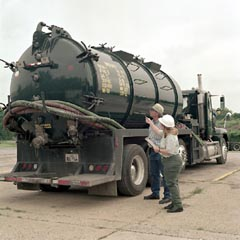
72 157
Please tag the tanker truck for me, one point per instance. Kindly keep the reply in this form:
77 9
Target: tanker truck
79 117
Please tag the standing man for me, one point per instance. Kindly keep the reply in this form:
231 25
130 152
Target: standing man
155 135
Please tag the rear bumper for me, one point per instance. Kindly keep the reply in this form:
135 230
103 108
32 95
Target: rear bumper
82 180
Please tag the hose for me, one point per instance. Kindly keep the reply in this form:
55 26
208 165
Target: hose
62 109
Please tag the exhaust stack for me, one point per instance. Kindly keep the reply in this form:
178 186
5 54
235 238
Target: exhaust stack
200 85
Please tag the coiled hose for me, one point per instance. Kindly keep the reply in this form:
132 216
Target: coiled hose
60 108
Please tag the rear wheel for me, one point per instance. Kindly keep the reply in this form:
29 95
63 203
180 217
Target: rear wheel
148 184
134 171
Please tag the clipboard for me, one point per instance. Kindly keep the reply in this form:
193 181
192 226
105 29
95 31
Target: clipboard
150 142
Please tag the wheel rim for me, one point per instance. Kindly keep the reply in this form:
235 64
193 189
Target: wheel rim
236 147
183 154
224 151
137 170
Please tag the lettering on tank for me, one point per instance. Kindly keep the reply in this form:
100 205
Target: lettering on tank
106 84
109 71
124 85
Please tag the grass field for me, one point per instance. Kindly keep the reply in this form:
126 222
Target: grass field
7 144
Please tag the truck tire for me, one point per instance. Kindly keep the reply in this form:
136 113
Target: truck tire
224 149
48 188
236 147
183 153
148 183
134 171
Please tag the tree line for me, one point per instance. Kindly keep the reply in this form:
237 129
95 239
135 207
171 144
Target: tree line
4 133
232 121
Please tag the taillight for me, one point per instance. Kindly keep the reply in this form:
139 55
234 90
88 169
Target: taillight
98 168
105 168
28 167
24 166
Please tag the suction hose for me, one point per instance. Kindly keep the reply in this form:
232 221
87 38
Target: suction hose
62 109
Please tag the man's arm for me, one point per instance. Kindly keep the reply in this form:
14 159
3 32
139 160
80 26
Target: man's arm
157 130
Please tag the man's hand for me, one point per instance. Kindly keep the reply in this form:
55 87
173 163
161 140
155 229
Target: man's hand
148 121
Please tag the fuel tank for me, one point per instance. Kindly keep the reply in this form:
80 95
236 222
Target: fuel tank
111 84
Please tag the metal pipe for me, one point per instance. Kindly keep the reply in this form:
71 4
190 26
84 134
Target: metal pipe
200 85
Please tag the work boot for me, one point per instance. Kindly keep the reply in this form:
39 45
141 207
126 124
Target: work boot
174 210
151 196
169 206
165 200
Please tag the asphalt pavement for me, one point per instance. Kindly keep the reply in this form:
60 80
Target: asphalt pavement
210 193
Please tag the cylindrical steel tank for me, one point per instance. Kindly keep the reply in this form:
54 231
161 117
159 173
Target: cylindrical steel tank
111 84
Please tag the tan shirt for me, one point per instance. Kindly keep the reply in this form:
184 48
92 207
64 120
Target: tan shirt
171 144
153 136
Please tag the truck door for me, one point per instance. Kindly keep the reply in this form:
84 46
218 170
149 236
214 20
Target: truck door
208 115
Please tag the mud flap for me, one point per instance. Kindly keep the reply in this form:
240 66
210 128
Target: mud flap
106 189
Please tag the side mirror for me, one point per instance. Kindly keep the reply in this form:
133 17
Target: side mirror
222 102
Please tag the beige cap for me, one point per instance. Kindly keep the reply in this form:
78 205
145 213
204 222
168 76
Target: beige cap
158 108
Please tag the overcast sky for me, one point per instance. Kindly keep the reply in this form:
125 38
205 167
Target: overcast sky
186 37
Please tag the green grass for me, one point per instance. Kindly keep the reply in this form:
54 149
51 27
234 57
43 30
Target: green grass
14 210
7 144
197 191
6 208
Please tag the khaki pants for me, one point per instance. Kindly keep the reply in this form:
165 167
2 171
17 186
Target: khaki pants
172 168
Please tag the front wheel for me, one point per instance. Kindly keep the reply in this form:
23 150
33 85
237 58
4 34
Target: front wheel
183 153
134 171
224 151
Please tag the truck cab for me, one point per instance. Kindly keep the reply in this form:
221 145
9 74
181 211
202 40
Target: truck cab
198 134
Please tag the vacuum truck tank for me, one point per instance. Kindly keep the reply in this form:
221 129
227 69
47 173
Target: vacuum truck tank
111 84
79 115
